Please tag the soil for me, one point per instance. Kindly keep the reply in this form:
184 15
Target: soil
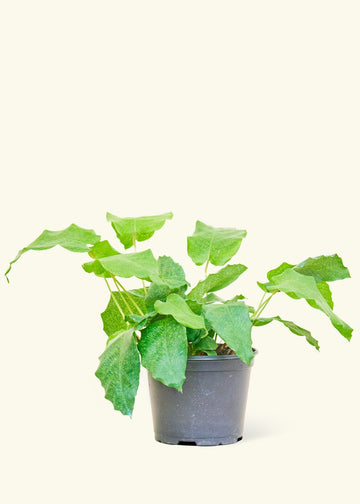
223 349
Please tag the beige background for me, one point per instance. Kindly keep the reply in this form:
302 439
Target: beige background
241 114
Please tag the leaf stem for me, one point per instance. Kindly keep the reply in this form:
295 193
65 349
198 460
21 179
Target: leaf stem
121 294
134 245
114 299
206 266
118 284
263 304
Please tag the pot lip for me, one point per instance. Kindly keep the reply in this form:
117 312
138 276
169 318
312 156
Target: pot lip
216 357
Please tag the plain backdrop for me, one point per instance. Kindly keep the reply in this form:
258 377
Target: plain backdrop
240 114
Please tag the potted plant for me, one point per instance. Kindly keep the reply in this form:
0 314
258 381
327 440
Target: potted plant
196 346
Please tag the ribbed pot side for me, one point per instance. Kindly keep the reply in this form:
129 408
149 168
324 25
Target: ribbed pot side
210 410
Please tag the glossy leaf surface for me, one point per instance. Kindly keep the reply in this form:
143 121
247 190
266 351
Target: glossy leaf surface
216 245
73 238
163 349
129 229
119 371
216 281
232 323
176 306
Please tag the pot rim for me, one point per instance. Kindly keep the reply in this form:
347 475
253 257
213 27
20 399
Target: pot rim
216 357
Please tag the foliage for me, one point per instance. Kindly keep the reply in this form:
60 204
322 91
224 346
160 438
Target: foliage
162 322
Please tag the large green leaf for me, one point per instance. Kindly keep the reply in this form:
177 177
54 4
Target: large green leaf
111 316
216 281
305 287
326 294
73 238
119 371
294 328
131 229
139 264
163 349
98 251
176 306
232 323
323 268
216 245
171 273
102 249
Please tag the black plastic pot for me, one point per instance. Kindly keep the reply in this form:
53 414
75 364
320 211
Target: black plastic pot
210 410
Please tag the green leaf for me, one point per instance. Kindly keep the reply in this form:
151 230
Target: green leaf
177 307
111 316
205 344
305 287
294 328
171 273
232 323
323 268
98 251
326 294
102 249
119 371
216 281
141 321
73 238
211 298
194 335
161 292
163 349
139 264
129 229
216 245
280 269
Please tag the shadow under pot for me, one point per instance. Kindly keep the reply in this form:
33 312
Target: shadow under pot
211 409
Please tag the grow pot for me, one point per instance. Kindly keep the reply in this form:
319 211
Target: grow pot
210 410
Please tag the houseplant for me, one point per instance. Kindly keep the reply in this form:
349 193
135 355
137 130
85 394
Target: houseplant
196 347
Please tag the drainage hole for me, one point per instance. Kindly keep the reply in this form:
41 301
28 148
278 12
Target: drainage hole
239 438
187 443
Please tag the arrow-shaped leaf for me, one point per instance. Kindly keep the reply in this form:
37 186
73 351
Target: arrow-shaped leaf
129 229
119 371
216 245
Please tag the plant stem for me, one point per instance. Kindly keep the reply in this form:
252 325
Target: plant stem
118 284
114 299
260 305
121 294
206 266
134 245
263 305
